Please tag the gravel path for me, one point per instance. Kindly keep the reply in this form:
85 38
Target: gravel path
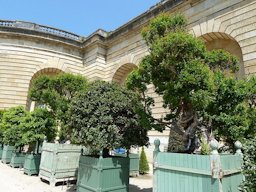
14 180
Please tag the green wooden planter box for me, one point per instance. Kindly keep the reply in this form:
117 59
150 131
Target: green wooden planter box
103 174
1 151
134 163
17 159
31 164
174 172
7 153
59 162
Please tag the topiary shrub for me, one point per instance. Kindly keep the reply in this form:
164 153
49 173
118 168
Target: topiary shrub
249 185
37 125
143 166
107 116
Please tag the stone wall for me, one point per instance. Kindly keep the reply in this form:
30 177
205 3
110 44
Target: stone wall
112 56
21 60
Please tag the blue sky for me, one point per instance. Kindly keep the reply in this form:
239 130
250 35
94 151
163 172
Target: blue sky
78 16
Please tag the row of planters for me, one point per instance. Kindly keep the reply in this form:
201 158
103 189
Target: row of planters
101 117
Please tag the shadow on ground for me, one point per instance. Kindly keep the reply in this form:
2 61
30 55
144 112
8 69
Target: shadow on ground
134 188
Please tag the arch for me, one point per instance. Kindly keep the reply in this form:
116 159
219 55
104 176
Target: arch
218 40
45 71
122 72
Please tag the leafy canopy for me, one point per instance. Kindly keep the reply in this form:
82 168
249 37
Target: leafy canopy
191 80
249 185
56 92
19 127
38 125
107 116
11 126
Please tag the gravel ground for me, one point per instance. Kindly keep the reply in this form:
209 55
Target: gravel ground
14 180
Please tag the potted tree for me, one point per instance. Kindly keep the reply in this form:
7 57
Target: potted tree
38 125
56 92
106 117
12 136
203 101
59 160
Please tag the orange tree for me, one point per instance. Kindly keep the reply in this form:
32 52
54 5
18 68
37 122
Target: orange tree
36 126
107 116
11 126
56 93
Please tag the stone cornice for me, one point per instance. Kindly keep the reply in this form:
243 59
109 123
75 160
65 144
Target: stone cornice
142 19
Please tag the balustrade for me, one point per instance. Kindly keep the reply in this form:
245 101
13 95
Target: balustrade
40 28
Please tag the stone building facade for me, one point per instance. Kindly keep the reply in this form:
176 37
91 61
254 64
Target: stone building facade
28 50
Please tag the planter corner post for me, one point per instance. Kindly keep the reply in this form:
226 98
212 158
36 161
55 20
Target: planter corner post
155 153
217 173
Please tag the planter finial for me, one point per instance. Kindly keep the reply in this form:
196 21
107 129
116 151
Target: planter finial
238 146
57 139
157 144
214 147
101 154
45 139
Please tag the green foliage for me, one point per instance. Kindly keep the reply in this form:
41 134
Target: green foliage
56 92
18 127
163 25
143 166
193 83
1 129
11 126
1 114
205 148
229 112
37 125
251 109
222 60
249 185
107 116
